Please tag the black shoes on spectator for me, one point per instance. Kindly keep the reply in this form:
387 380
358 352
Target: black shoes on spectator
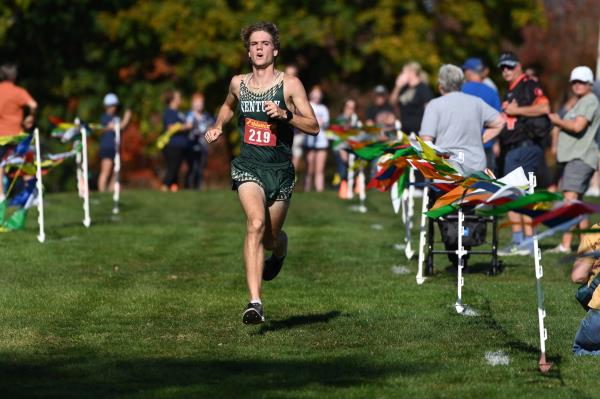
253 314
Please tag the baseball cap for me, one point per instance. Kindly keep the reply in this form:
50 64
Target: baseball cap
583 74
508 59
111 99
473 64
380 89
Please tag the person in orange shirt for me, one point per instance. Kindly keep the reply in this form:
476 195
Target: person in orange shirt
13 100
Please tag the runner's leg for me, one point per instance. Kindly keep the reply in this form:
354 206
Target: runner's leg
275 238
252 199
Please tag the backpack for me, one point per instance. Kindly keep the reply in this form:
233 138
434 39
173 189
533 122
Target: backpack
537 128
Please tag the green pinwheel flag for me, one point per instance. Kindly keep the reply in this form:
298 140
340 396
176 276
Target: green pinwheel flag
526 200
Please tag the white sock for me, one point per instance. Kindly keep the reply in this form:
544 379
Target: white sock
256 301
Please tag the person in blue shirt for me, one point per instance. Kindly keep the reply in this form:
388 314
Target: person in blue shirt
197 152
474 74
108 148
174 151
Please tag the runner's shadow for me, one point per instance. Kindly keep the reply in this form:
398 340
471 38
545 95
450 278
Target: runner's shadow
296 321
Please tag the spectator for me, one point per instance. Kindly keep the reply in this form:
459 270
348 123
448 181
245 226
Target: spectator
487 80
577 143
473 69
524 104
380 107
316 146
108 148
455 120
197 151
174 151
594 190
585 271
13 99
348 119
568 104
411 94
531 73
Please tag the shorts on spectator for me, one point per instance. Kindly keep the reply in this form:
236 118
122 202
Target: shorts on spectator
298 146
529 157
576 176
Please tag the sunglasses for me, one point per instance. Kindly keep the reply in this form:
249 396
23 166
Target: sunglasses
578 82
503 67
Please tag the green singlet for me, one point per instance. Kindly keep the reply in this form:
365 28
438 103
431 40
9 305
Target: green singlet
266 149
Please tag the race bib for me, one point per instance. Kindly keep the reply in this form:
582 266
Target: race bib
259 133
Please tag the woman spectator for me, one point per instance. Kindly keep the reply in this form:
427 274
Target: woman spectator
108 147
576 143
174 151
316 146
411 93
197 152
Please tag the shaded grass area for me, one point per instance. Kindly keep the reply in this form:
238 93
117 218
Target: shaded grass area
148 305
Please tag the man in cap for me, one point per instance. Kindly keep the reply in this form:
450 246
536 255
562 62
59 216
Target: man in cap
473 69
380 109
524 101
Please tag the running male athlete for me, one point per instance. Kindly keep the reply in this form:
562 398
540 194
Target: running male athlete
270 105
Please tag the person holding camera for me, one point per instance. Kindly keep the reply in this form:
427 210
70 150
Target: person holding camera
586 271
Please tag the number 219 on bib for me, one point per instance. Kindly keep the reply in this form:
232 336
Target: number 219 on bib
259 133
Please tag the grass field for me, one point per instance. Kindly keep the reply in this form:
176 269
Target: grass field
148 305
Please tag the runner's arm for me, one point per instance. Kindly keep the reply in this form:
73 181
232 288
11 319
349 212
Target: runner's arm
225 114
303 118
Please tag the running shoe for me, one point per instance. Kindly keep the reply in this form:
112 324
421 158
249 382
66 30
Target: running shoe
273 264
515 251
253 314
559 249
272 267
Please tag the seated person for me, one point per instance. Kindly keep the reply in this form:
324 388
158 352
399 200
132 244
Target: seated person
585 271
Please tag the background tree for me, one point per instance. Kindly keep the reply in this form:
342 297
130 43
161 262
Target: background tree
72 53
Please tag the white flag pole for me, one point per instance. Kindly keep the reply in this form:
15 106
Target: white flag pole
408 251
351 158
362 191
539 272
40 192
422 236
79 175
117 168
84 170
460 252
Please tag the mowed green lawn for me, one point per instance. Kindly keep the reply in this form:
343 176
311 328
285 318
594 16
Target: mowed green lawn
148 305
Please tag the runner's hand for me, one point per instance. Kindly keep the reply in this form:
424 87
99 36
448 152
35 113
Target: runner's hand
213 134
274 111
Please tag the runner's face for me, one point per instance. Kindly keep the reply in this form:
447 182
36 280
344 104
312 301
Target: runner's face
262 53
